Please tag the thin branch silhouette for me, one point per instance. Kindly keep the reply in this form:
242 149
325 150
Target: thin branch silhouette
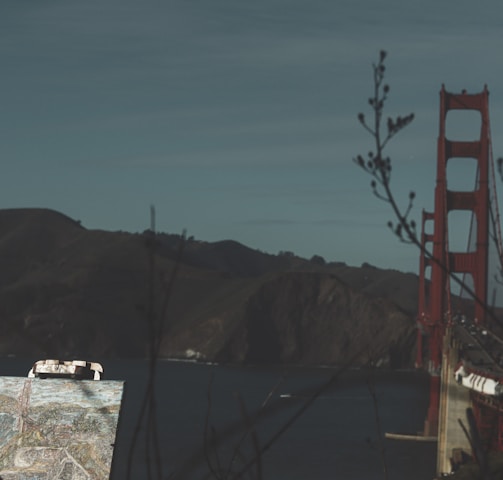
155 324
375 403
379 167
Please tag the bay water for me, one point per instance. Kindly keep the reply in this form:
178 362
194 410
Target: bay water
335 438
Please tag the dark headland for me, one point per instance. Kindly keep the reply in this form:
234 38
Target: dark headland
67 291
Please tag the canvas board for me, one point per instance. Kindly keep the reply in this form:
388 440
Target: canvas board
58 429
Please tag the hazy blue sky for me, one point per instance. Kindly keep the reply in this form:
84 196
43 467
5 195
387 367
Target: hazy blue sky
236 119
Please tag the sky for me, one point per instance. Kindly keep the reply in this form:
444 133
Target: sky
236 120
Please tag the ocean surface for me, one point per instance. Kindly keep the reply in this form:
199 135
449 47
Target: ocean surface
336 437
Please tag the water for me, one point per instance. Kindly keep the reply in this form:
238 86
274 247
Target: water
335 438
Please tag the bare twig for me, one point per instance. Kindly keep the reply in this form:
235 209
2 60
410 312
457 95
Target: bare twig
155 325
380 437
250 429
379 167
218 471
312 396
211 440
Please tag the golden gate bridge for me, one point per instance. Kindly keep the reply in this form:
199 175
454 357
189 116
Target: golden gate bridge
460 337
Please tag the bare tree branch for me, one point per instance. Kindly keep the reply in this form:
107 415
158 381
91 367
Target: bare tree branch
377 165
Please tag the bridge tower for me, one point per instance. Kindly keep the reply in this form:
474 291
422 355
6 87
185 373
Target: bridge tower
435 312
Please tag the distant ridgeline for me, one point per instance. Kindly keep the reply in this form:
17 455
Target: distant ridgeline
66 291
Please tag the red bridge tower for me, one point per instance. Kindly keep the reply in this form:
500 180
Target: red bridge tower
434 298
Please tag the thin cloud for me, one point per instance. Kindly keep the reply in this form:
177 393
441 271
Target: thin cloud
281 222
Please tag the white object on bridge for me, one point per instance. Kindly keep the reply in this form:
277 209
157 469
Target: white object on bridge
479 383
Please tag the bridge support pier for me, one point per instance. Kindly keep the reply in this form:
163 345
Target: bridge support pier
454 400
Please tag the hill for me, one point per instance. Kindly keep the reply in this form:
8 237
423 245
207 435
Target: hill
66 292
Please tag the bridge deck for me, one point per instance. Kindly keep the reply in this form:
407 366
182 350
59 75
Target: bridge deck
479 351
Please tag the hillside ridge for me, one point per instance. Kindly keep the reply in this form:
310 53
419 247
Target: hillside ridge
67 291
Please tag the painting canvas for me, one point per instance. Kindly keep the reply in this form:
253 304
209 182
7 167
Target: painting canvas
57 429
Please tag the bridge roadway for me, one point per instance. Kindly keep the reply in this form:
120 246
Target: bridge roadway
477 348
